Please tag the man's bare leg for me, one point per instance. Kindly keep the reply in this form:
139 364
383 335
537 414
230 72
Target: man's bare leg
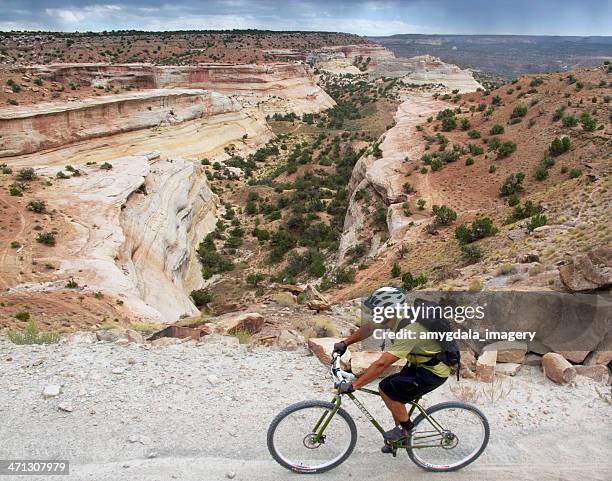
398 409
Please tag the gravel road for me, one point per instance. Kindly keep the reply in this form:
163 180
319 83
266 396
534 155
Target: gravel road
200 412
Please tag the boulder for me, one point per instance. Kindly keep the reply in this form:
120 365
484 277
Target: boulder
111 335
557 368
588 272
322 347
508 368
528 257
289 340
509 351
82 338
318 305
468 360
574 356
485 366
597 373
134 336
598 357
251 322
361 360
164 341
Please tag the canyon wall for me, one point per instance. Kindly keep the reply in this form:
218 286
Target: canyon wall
384 178
131 234
27 129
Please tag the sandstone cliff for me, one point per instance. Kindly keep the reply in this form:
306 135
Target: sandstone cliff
128 233
385 177
28 129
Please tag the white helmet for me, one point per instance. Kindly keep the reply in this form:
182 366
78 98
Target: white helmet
384 297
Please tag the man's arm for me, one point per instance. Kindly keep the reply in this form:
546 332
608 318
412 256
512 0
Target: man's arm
375 369
360 334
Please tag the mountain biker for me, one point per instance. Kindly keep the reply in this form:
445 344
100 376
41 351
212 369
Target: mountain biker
421 374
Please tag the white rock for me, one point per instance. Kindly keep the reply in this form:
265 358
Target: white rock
51 390
66 407
212 379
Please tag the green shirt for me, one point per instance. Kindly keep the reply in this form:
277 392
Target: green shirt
410 349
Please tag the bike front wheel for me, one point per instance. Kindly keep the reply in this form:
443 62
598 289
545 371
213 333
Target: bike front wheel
312 437
454 436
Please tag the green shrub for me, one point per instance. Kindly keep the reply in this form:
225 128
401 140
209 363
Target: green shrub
47 238
475 149
497 129
201 297
408 189
421 204
481 227
589 124
474 134
541 173
36 206
465 124
536 221
505 149
519 111
15 190
396 270
471 253
559 146
513 184
469 161
492 168
31 336
22 316
106 166
410 282
26 174
575 173
570 121
443 215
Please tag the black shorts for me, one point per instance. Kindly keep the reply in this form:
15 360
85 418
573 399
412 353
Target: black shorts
410 383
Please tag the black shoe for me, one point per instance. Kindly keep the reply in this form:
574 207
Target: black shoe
395 435
386 449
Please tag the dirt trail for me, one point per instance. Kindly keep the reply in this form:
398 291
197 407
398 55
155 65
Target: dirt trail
141 415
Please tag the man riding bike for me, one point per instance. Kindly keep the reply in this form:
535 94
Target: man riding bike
422 373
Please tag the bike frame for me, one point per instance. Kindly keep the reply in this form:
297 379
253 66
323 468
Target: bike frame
424 438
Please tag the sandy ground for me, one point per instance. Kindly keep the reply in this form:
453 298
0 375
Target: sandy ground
201 413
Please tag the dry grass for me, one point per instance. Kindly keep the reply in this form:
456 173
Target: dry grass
497 390
465 393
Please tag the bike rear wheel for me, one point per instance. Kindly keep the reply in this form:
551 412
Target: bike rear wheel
307 437
465 435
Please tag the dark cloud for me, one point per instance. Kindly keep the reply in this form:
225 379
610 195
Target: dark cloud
557 17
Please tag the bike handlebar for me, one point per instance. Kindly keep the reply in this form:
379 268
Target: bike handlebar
336 370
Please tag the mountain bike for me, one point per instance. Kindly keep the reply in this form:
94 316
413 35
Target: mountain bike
316 436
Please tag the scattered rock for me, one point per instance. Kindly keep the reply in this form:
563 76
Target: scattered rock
318 305
82 338
134 336
508 368
289 341
164 341
588 272
117 370
214 380
322 347
468 360
131 360
596 373
361 360
516 234
51 390
573 356
557 368
528 257
509 351
111 335
230 475
65 407
251 322
485 366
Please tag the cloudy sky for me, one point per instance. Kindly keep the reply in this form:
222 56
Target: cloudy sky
553 17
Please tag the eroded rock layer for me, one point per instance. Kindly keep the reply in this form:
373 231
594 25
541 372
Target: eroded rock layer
29 129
